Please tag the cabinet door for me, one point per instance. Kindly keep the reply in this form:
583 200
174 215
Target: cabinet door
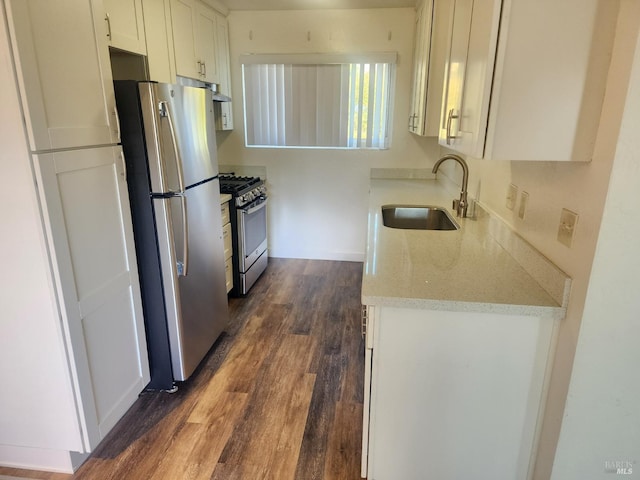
88 221
206 43
159 35
183 16
455 73
224 113
125 25
420 68
63 73
474 36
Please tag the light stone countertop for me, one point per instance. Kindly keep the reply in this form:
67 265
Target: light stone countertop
462 270
224 198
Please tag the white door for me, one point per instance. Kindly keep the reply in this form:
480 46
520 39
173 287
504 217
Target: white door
125 25
88 221
64 74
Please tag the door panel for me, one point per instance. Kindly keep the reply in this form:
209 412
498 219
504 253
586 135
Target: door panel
196 303
88 220
126 25
190 112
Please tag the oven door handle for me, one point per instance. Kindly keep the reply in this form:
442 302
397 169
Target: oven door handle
251 210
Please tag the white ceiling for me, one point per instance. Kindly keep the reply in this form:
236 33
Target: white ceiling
313 4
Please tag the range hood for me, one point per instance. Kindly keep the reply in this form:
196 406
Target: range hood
217 96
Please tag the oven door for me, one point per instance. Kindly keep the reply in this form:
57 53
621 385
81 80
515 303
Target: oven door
252 233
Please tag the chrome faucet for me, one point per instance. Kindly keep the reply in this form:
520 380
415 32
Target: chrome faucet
460 206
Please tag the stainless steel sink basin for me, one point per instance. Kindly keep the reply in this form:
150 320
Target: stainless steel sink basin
417 217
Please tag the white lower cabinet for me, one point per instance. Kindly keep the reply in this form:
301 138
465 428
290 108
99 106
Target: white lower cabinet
228 245
452 395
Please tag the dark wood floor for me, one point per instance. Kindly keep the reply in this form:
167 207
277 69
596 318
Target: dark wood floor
278 397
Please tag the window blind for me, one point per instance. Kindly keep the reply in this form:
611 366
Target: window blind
306 104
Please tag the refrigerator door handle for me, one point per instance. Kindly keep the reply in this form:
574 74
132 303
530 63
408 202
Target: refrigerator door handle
166 112
183 266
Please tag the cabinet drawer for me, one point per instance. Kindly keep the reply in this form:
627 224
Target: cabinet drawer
224 209
229 274
226 237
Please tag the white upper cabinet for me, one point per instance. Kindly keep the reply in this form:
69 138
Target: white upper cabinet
522 82
224 110
63 73
195 38
469 69
429 56
207 42
125 25
159 35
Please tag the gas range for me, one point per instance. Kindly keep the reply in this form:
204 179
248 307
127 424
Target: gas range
248 228
244 190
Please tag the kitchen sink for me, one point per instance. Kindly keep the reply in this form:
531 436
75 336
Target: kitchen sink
417 217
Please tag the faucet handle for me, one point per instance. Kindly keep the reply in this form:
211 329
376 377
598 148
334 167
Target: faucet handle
456 205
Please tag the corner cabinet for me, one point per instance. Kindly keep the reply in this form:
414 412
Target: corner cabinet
195 40
429 54
441 386
125 25
521 82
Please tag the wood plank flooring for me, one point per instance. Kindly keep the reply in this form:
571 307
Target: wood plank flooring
279 396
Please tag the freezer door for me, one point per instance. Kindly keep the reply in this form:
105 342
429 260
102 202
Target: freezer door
180 135
196 302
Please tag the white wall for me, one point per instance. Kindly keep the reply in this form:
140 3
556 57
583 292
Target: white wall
601 423
318 198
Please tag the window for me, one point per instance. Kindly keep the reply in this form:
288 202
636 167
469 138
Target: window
327 101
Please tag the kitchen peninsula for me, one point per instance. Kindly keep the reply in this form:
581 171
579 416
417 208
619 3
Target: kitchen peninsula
460 329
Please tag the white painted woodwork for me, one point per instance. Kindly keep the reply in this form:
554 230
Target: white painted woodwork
369 325
88 220
184 38
125 25
37 404
207 42
159 36
547 93
223 110
523 83
431 40
195 39
455 393
469 69
63 72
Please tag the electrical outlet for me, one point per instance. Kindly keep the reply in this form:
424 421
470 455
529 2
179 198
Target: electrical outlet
568 221
524 200
512 194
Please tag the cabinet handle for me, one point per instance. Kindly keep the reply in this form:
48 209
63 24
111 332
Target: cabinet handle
363 325
118 131
412 122
108 20
199 64
224 119
449 118
204 69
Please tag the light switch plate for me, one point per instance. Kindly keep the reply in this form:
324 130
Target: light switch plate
567 227
512 195
524 200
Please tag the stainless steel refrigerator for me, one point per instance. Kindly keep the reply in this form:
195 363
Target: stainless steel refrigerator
168 139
